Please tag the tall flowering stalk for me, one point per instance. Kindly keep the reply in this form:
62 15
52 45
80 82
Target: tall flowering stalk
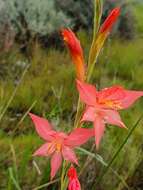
100 34
100 107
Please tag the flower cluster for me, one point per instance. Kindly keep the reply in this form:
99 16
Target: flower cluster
101 108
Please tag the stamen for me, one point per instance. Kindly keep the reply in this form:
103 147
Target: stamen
114 104
58 147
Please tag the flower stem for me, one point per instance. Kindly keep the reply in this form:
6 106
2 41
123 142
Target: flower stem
77 113
63 176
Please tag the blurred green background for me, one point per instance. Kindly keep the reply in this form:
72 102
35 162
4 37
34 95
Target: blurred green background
37 75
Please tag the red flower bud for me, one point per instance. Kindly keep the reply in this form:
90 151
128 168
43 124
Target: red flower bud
110 20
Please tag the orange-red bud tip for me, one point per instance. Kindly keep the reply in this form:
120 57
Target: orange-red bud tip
76 52
72 42
110 20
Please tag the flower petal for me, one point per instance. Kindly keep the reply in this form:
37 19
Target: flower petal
56 162
69 154
44 150
130 97
99 127
43 127
112 117
112 93
89 114
118 95
87 93
78 137
74 184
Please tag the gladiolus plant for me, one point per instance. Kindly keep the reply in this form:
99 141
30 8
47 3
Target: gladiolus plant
100 107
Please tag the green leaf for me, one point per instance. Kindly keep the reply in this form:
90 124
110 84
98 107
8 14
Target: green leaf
47 184
96 156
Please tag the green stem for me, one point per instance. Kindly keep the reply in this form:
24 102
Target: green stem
63 176
118 151
98 6
77 113
87 161
90 71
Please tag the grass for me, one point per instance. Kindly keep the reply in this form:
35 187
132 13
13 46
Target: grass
48 89
137 10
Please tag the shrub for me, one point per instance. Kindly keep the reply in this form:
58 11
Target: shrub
34 17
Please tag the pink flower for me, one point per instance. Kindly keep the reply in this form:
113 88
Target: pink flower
58 144
74 183
76 52
102 106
